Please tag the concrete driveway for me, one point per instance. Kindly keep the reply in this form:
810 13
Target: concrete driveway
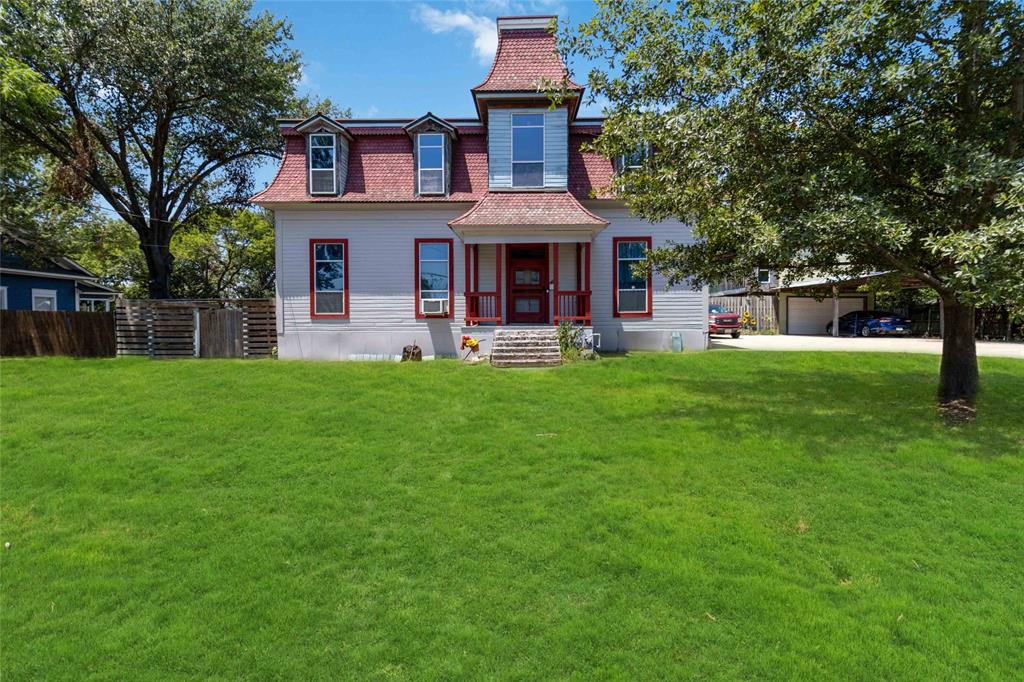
874 345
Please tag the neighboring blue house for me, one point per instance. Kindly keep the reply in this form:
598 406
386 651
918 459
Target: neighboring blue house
47 283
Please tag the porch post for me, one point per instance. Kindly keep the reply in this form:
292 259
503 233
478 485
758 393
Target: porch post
579 265
586 279
467 286
835 311
554 316
476 267
498 258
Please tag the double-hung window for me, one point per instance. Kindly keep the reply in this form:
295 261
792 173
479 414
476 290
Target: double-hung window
328 278
431 161
322 175
527 150
434 277
764 275
631 291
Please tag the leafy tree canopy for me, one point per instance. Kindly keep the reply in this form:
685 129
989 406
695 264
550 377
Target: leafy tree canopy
164 108
826 138
36 199
309 105
222 254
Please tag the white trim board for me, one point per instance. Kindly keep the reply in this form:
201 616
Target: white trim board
45 293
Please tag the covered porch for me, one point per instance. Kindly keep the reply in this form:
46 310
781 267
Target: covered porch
528 283
528 258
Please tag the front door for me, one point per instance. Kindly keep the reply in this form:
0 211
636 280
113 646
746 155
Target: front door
528 285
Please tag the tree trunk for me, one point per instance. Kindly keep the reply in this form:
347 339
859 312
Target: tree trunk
159 263
958 376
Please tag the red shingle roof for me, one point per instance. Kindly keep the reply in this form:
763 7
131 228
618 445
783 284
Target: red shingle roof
381 169
525 57
528 208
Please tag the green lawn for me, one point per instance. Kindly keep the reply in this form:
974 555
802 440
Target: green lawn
722 515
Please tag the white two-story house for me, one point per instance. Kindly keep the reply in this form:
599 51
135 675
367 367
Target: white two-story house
399 231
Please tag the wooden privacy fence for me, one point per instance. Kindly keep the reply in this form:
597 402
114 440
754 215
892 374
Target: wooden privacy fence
62 332
201 328
760 308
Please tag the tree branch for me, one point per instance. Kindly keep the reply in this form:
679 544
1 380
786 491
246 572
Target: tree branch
871 158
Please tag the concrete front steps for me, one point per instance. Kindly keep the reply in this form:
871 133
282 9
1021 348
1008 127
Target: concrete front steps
525 348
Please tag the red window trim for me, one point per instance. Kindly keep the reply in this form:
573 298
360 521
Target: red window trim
451 277
313 314
615 279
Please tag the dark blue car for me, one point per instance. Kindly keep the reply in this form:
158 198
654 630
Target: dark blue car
871 323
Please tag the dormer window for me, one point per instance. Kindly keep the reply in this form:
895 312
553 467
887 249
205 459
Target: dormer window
432 140
326 153
634 160
527 150
430 151
322 167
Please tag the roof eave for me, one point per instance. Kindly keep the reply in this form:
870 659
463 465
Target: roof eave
317 121
411 127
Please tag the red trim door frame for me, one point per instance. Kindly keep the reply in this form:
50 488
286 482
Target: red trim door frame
451 277
313 314
539 291
615 279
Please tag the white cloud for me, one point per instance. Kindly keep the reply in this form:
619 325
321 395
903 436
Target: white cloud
483 29
308 81
371 112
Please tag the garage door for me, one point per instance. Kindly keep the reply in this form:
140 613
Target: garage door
804 315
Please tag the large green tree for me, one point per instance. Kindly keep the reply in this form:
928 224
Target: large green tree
826 138
226 253
37 200
163 108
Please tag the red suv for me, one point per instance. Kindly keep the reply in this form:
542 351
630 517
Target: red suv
721 321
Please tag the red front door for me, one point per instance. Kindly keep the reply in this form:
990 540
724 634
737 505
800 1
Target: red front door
528 285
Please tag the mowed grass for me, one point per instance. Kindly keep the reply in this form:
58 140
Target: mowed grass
723 515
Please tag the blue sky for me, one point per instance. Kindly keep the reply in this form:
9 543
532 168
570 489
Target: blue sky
394 59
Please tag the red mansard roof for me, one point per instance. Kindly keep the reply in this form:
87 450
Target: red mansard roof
528 208
524 58
380 158
381 168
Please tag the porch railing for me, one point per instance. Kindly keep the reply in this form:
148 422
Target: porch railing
482 306
572 306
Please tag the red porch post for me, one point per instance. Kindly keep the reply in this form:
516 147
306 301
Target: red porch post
554 317
579 266
476 267
468 287
586 282
498 258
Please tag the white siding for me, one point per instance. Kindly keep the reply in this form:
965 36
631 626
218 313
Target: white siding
567 266
675 309
499 148
381 262
556 148
381 278
488 270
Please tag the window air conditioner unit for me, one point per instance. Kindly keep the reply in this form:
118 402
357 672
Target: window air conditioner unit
434 306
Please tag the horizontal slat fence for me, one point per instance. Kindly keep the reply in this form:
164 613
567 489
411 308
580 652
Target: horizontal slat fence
62 332
176 328
761 309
